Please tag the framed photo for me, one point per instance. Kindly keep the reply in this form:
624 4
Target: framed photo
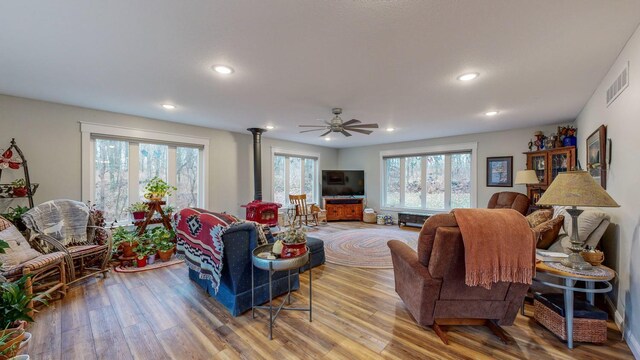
597 155
500 171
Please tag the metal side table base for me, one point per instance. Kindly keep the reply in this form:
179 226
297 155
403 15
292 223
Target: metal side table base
273 265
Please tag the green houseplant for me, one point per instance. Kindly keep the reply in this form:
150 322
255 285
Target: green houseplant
142 251
15 308
138 210
163 241
126 240
294 242
19 188
168 210
156 189
15 217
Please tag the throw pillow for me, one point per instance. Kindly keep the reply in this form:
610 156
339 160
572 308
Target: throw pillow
548 232
19 250
588 221
539 216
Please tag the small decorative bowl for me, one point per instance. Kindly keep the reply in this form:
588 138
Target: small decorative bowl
594 258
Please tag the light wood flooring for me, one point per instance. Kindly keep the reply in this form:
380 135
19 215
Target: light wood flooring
160 314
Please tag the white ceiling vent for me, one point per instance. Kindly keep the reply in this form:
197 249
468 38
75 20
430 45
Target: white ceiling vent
618 86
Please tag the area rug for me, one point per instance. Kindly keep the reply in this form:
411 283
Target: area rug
155 265
365 248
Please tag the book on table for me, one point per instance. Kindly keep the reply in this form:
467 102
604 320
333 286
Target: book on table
550 256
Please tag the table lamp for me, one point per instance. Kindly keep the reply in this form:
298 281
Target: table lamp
527 177
576 188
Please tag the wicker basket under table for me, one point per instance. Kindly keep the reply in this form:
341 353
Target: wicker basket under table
584 330
369 218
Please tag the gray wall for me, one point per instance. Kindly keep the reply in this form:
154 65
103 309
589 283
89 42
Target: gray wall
49 135
503 143
622 242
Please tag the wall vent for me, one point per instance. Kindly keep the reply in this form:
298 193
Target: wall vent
618 86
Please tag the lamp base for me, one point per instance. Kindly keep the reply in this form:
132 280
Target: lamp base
576 262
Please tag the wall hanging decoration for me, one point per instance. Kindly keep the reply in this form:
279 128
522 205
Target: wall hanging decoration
597 155
500 171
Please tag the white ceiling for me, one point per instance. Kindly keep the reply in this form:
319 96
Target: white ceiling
390 62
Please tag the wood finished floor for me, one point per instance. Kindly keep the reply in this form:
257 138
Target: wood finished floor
160 314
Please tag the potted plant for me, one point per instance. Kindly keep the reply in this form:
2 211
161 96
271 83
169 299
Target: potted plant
138 210
126 240
168 210
294 242
15 217
10 343
156 189
142 251
163 241
19 188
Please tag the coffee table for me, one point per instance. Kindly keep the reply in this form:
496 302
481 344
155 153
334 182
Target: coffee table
273 265
600 274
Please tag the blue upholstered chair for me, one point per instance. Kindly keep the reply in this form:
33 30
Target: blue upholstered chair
235 283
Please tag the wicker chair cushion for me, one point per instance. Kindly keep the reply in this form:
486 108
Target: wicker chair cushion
79 250
19 250
44 260
581 308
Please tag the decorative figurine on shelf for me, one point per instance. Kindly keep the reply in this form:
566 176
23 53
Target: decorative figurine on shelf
539 143
550 142
568 134
530 144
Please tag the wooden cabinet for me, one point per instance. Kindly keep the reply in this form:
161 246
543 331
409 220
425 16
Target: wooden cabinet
343 209
547 165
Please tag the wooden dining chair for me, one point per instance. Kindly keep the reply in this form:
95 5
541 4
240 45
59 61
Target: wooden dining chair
303 210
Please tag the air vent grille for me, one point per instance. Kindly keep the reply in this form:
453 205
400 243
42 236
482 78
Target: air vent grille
618 86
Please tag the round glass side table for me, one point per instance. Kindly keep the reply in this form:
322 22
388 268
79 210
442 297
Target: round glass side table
273 265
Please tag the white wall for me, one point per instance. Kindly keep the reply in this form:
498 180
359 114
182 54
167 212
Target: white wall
622 244
49 135
502 143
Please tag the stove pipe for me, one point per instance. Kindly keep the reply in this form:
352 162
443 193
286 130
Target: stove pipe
257 162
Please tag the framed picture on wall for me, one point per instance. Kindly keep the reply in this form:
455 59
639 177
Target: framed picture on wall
500 171
597 155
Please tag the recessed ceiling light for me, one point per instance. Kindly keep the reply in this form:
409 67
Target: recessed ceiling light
327 139
168 106
270 127
468 76
222 69
390 129
491 113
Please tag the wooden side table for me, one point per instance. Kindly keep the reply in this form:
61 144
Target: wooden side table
600 274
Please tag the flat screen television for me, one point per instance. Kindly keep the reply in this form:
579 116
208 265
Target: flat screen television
342 182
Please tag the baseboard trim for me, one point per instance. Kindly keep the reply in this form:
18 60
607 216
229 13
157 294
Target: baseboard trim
617 316
633 344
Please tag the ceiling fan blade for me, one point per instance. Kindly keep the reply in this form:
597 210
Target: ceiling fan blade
370 126
345 133
304 131
366 132
352 121
326 132
312 126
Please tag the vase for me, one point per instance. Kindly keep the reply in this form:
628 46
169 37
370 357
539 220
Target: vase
139 215
151 259
569 141
165 255
141 262
293 250
127 249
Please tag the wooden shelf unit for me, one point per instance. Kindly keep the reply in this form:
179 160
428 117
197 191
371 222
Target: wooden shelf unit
343 208
547 165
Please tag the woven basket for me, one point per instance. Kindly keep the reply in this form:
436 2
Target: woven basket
594 258
369 218
584 330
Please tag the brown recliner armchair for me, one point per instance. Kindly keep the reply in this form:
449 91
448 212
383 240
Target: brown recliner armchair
510 200
431 282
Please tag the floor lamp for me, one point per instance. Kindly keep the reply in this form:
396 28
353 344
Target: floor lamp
527 177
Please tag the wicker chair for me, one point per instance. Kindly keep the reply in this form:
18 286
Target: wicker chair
47 272
89 258
304 210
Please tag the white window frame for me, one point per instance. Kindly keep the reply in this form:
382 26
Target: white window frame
300 154
91 131
431 150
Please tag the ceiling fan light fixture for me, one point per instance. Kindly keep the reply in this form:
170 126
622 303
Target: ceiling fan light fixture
468 76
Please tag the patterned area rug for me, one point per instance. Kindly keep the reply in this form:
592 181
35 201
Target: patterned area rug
365 248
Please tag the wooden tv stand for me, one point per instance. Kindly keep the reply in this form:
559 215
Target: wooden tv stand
343 208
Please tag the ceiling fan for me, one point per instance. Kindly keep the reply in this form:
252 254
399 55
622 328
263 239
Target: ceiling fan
336 125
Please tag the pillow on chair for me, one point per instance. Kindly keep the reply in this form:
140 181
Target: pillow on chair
588 221
539 216
548 232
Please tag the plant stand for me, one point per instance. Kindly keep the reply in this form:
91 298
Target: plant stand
154 206
6 189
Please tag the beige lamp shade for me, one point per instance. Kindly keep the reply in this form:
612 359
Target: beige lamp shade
576 188
526 177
